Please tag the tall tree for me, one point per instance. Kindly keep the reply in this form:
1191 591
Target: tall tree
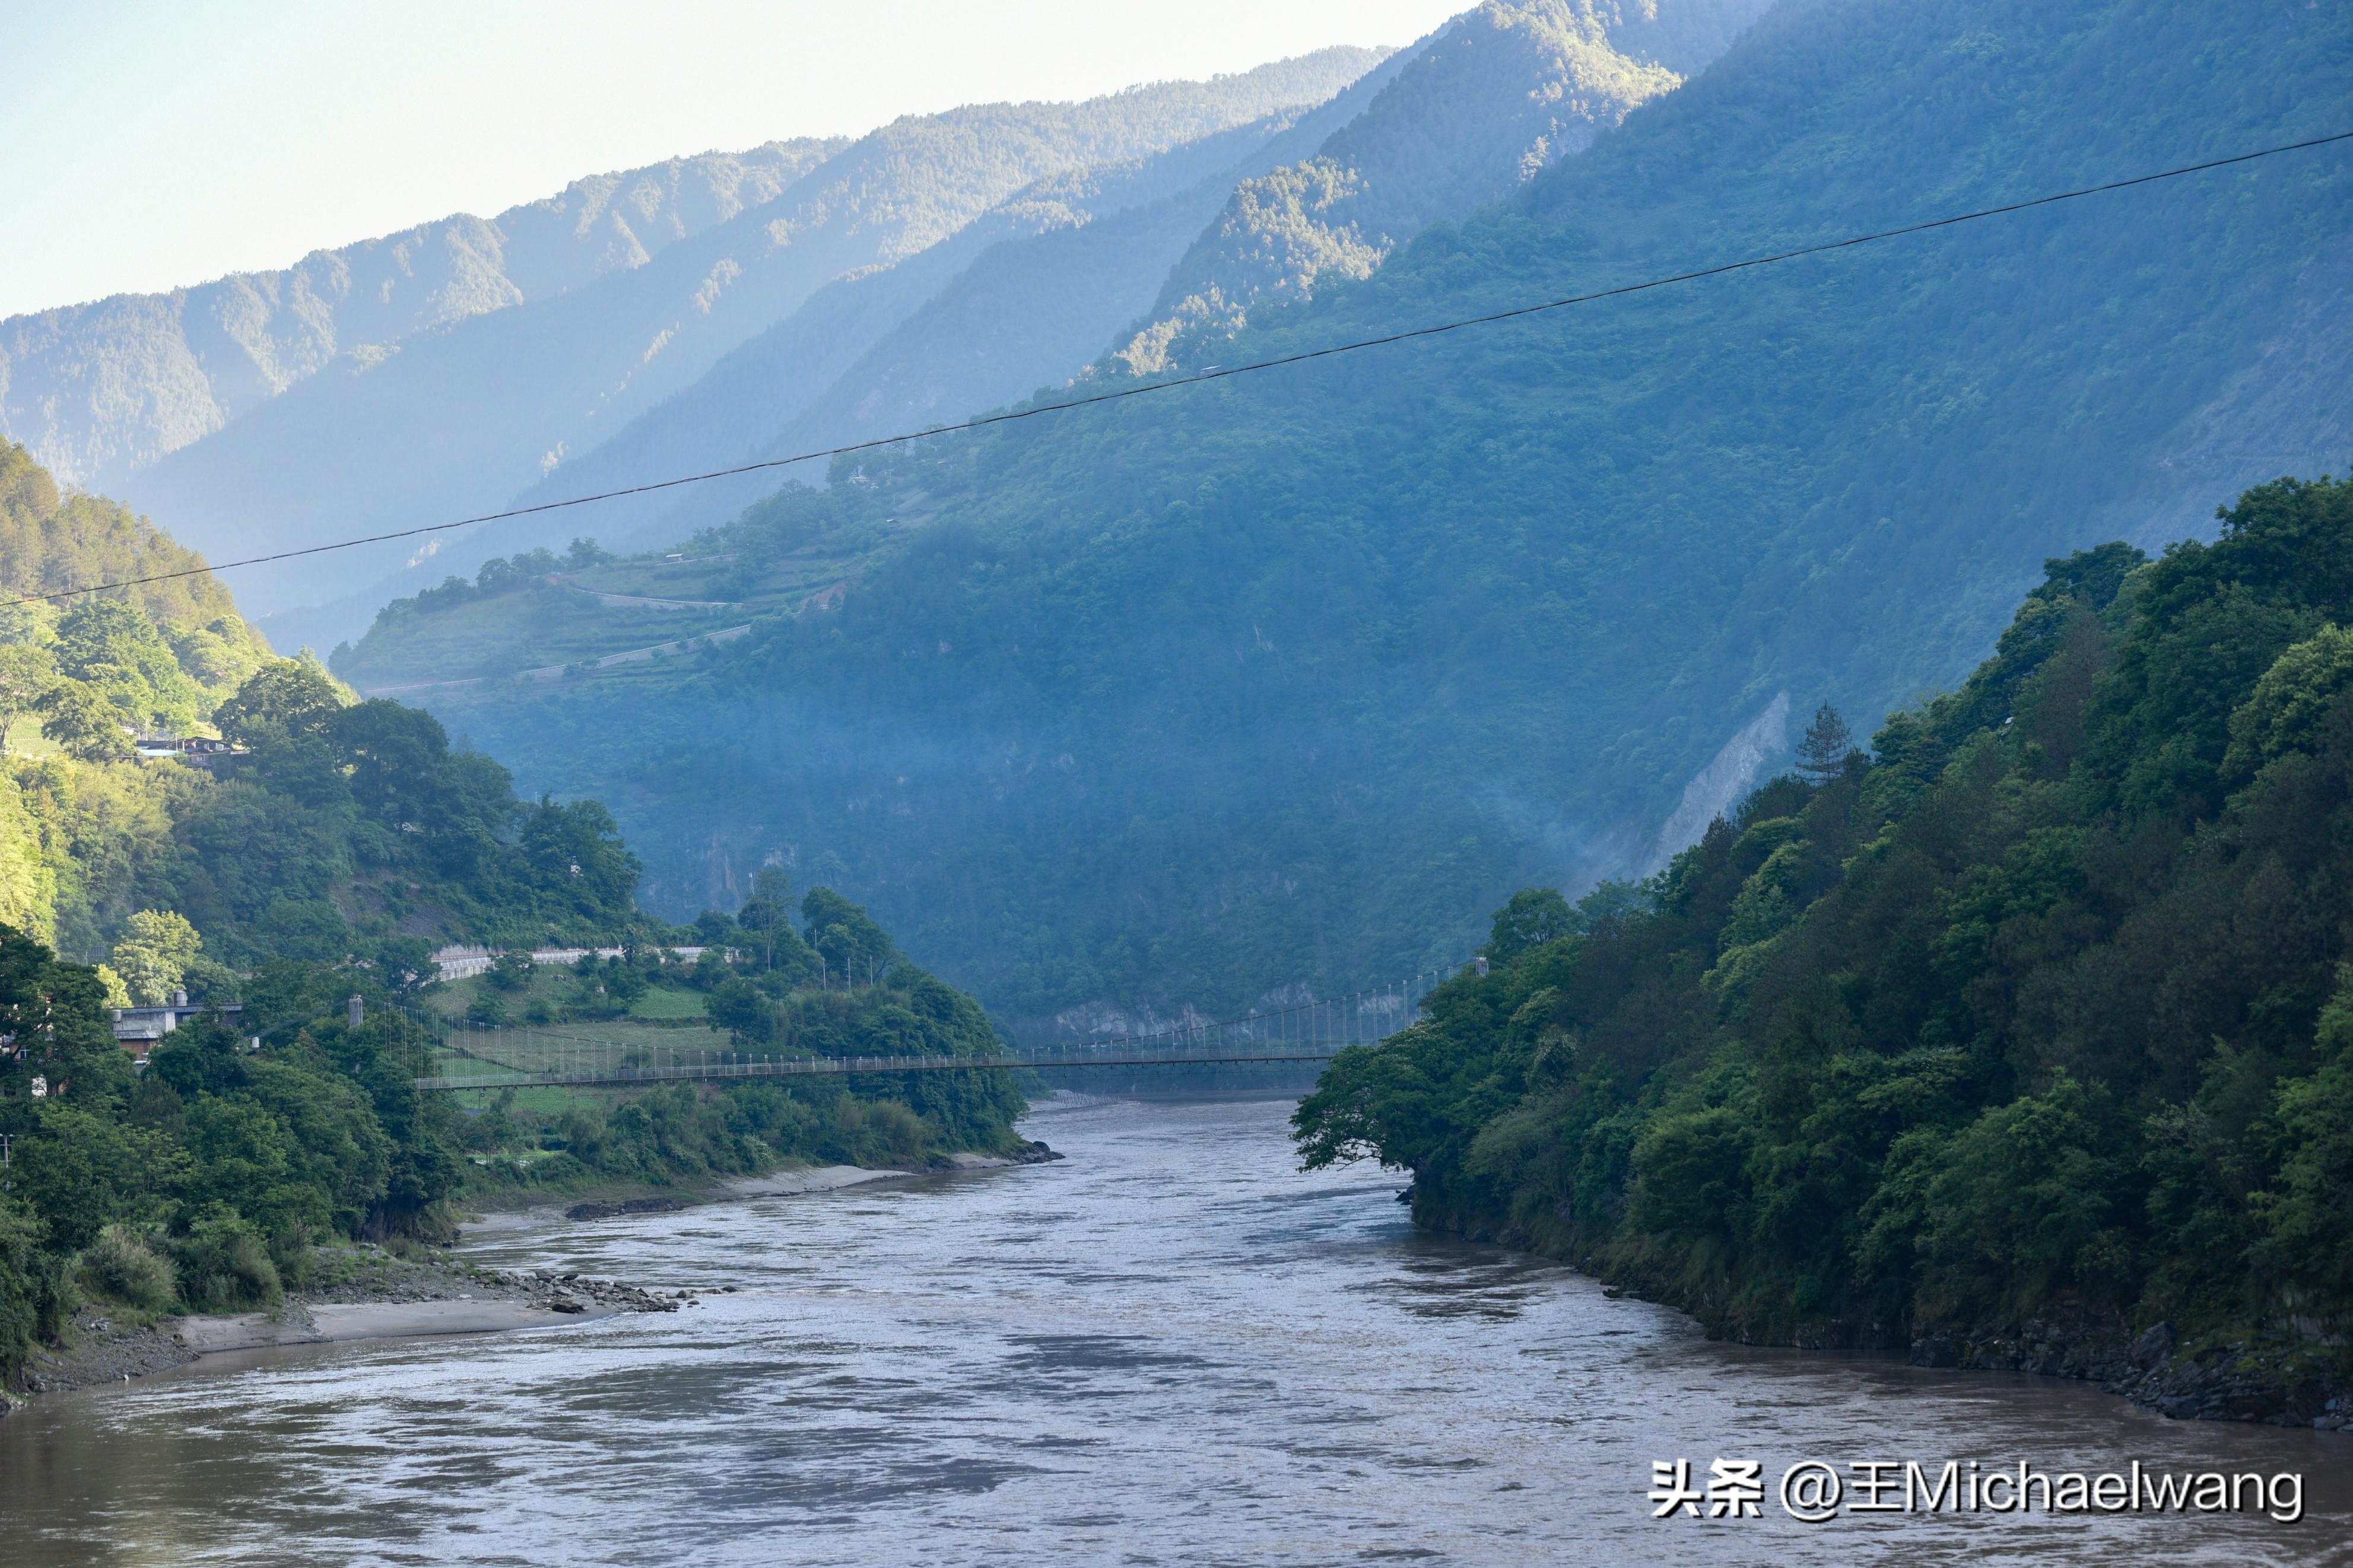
1828 744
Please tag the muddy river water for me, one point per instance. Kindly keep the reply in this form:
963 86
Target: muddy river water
1170 1348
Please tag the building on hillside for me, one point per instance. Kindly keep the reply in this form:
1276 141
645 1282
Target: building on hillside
136 1029
196 750
458 961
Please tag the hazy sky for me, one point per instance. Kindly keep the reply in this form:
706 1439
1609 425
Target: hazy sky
148 145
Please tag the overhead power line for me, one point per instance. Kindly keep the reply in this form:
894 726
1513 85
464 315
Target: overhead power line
1219 373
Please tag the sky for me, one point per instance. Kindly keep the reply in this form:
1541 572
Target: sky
146 146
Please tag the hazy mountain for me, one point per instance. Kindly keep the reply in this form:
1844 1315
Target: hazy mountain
1291 677
463 415
939 328
1031 312
1439 130
95 391
1502 93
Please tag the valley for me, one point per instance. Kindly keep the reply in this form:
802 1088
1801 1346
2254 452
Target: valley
1616 695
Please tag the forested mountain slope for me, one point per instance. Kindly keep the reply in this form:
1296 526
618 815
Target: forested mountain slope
2039 1014
1193 696
341 830
1502 92
53 540
95 391
463 416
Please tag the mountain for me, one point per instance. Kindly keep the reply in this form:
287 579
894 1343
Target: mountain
1031 292
1439 129
1022 296
1503 92
53 540
467 414
97 391
1184 699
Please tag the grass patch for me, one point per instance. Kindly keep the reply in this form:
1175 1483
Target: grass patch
667 1004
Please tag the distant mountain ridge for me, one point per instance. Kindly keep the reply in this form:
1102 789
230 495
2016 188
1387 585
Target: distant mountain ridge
471 411
1046 284
98 390
1020 298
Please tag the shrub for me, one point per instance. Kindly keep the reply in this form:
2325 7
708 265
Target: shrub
224 1264
122 1267
512 969
878 1132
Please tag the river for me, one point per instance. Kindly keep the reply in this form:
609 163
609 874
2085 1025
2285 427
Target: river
1170 1348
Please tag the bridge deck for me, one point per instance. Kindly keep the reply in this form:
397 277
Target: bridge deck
506 1075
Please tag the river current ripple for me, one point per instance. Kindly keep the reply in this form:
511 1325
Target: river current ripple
1171 1347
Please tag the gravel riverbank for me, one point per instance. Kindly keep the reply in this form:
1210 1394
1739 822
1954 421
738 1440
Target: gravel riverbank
361 1293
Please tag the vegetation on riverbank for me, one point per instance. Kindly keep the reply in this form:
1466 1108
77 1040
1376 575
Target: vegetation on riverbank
338 830
832 985
2040 1011
208 1182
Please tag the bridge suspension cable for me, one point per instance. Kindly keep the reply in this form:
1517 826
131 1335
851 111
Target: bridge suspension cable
478 1057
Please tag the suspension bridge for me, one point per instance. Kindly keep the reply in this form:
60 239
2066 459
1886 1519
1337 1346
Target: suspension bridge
471 1057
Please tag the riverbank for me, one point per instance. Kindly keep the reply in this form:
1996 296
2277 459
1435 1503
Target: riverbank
370 1292
2279 1384
363 1292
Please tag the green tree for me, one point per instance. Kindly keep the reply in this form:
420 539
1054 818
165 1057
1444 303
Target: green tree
404 961
1532 916
513 969
767 918
154 952
290 697
2305 1236
853 946
111 646
81 1168
33 1294
27 673
2288 705
25 620
1828 743
83 719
